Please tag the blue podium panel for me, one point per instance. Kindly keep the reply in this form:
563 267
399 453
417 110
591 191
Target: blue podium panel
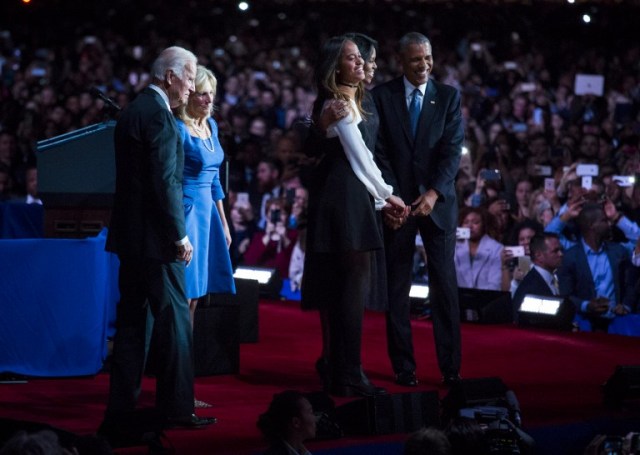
57 298
21 221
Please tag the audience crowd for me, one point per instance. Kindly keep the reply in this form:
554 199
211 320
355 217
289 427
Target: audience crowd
528 126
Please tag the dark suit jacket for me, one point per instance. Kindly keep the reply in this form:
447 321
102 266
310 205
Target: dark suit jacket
148 214
532 283
576 281
431 160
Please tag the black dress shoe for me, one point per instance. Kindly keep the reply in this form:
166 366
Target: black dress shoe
192 421
451 379
407 379
361 389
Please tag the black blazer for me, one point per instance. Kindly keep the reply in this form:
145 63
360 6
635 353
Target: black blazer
148 214
532 283
430 161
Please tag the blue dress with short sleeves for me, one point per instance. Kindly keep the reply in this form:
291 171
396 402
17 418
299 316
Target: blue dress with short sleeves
210 270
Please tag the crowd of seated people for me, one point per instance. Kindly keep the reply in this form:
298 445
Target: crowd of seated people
526 129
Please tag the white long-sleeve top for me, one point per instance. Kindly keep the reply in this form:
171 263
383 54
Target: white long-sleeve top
359 156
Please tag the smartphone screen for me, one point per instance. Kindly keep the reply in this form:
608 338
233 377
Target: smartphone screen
275 216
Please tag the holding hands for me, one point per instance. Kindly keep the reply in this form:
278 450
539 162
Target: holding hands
395 212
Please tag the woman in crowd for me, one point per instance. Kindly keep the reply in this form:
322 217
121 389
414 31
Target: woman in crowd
287 423
273 246
210 270
478 259
342 233
243 227
524 187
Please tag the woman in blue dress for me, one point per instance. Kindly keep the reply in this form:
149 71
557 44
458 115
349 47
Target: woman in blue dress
210 271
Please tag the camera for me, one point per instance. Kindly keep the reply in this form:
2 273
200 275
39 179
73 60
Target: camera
543 171
490 174
463 233
291 195
501 435
517 251
519 127
624 181
275 216
590 170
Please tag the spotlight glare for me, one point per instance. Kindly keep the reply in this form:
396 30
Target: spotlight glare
465 150
571 1
243 6
586 18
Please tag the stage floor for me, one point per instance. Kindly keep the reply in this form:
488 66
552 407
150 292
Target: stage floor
556 376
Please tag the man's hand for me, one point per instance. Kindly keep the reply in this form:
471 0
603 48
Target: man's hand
185 252
424 204
620 310
611 211
599 305
573 209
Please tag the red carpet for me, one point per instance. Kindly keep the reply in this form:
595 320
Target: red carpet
556 376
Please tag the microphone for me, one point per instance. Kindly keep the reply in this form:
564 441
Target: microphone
97 93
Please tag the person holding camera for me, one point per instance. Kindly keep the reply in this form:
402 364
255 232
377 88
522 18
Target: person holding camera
592 270
478 258
272 247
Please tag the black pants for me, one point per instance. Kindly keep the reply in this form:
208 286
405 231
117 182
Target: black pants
443 294
159 286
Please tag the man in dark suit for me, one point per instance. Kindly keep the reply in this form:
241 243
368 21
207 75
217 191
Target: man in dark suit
421 166
546 254
148 234
591 272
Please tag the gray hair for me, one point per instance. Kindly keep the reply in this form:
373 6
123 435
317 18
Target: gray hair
173 58
412 38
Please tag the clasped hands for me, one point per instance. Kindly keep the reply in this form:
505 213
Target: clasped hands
395 212
600 305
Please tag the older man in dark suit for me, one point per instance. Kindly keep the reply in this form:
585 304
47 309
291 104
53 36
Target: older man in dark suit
418 151
148 234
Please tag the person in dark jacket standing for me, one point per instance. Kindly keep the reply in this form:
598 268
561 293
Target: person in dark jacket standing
418 151
147 232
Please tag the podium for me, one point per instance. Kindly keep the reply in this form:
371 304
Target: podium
76 181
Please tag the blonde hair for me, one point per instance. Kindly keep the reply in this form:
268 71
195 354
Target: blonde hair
203 75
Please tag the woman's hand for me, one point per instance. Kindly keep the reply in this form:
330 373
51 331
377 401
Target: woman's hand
395 212
332 111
